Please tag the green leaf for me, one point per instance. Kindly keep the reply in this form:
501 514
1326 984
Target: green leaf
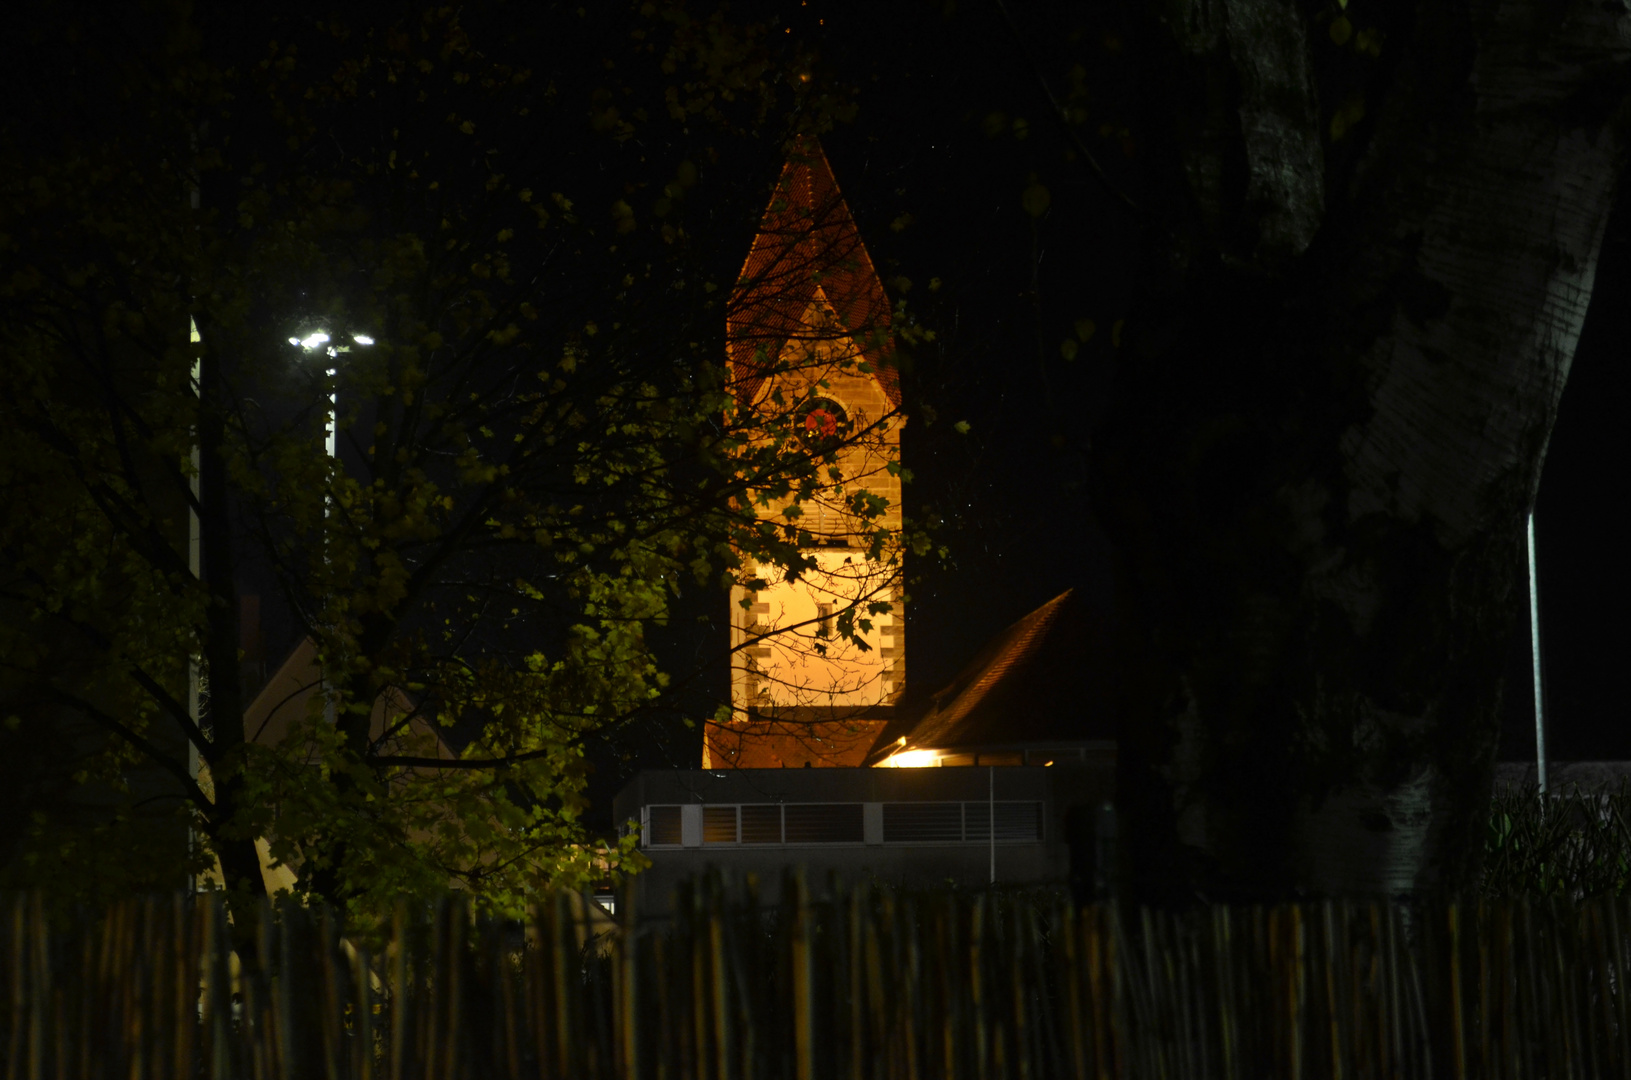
1341 30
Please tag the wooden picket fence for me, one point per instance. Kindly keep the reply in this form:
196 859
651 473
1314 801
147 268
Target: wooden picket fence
872 985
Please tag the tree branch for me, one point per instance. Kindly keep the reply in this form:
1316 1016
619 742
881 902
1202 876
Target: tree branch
189 783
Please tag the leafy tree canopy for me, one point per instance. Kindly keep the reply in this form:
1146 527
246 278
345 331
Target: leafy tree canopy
491 248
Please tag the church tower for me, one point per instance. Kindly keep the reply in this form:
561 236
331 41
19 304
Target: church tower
812 365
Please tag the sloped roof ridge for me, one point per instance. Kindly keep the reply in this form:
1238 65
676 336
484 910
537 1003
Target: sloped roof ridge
1011 648
807 238
1002 655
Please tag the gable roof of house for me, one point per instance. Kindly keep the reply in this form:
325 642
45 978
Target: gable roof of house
807 239
287 698
1041 680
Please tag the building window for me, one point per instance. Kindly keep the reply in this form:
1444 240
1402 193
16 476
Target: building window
922 823
824 823
844 823
719 824
663 826
966 823
762 824
823 424
824 621
1017 822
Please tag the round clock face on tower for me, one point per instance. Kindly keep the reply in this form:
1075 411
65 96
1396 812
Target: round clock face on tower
822 423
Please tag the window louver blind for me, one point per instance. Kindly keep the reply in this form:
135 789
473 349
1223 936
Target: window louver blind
719 824
762 824
663 826
824 823
922 823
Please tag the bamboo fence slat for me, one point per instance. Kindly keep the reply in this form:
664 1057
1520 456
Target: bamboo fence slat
872 985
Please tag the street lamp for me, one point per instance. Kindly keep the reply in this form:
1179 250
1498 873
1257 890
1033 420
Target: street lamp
319 339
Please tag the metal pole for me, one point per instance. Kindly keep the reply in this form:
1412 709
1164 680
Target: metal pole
329 438
991 820
1534 645
331 445
194 565
195 669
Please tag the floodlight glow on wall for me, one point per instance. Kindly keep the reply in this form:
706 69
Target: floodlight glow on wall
912 759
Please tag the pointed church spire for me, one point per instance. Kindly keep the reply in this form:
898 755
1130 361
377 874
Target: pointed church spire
809 345
807 239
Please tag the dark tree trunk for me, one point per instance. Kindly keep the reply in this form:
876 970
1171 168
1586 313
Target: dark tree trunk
1331 425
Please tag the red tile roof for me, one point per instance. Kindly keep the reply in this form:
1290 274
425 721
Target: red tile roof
806 239
773 744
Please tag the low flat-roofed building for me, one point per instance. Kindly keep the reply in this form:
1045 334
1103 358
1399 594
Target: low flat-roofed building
912 828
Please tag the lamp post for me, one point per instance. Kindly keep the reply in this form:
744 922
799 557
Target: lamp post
195 567
991 819
319 339
1534 652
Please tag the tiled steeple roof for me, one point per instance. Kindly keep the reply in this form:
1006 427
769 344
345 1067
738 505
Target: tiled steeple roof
807 239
